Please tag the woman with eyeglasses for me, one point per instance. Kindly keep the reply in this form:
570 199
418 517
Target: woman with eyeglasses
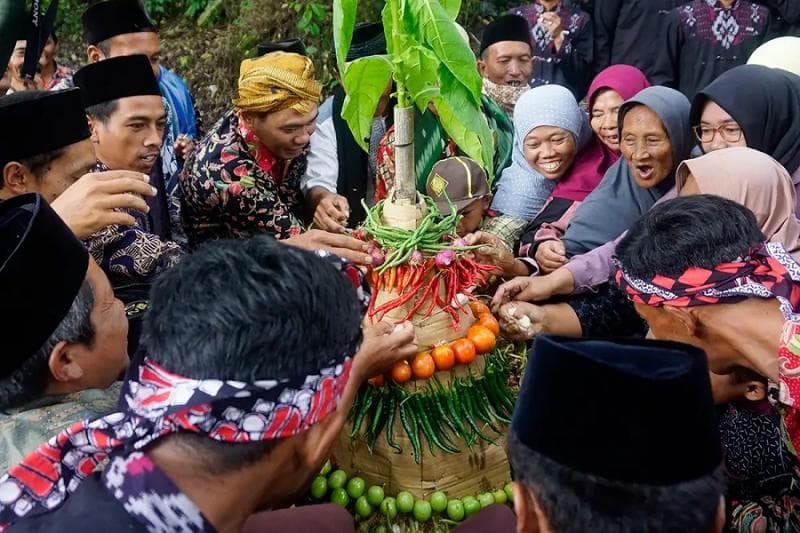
753 106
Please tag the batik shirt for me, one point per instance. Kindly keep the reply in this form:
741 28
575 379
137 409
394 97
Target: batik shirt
571 65
786 393
24 428
232 186
705 39
61 73
130 254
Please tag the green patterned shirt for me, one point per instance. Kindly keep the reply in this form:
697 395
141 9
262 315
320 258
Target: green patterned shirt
24 428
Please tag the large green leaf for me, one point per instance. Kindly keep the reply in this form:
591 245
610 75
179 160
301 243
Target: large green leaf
419 67
464 122
438 31
344 21
365 81
12 17
452 7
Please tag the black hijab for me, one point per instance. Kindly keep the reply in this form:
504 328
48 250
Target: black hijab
765 102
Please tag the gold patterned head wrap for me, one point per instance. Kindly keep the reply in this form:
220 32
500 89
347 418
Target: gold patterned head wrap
277 81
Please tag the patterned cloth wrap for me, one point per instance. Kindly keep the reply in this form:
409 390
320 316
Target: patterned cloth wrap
156 402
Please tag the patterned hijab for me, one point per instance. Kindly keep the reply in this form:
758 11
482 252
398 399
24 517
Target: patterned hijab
156 402
548 105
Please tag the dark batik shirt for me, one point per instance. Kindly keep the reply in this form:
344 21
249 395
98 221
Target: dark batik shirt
571 65
631 32
233 187
131 494
705 39
130 254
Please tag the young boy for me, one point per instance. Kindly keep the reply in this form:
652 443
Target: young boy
464 183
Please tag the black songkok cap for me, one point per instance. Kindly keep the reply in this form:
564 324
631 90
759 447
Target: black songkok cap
634 411
292 46
506 28
42 268
368 40
37 122
115 17
115 78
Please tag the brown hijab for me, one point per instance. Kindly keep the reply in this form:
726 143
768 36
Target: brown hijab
754 180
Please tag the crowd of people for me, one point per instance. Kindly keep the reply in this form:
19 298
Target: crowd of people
183 306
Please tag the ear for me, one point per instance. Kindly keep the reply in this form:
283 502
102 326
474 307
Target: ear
94 54
94 126
487 201
530 518
686 317
17 178
481 67
63 364
755 391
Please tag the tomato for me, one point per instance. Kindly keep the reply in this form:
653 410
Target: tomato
483 339
464 350
377 381
489 322
423 365
401 372
444 357
478 308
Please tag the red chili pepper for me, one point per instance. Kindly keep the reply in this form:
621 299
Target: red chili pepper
394 303
433 283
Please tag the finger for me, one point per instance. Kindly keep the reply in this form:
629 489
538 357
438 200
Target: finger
337 240
341 204
330 224
110 218
381 328
350 255
127 185
123 201
113 175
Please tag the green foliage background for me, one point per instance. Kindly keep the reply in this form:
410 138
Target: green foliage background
205 40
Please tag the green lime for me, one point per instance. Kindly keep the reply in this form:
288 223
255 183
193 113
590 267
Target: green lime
405 502
455 510
500 496
356 487
319 487
438 501
375 495
326 468
389 508
339 496
486 499
471 505
337 479
422 511
509 490
363 508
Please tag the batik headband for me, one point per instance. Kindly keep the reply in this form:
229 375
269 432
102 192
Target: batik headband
766 271
155 403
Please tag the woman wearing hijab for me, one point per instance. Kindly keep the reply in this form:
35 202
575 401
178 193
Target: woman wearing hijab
655 138
752 106
761 470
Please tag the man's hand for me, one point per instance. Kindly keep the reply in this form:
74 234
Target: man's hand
495 252
520 321
184 146
551 255
100 199
332 213
552 23
384 345
342 245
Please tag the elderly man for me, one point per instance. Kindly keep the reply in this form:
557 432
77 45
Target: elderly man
63 331
506 60
654 463
244 177
340 174
210 431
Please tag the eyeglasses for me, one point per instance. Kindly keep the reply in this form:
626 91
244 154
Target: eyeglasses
729 133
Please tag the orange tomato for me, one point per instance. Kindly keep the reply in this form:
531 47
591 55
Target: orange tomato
478 308
488 321
377 381
464 350
423 366
482 337
444 357
401 372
